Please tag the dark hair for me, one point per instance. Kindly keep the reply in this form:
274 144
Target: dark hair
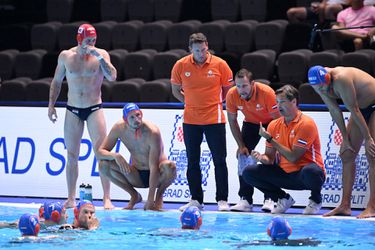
197 38
242 73
289 91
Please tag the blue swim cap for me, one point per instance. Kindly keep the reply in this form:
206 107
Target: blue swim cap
29 225
128 108
191 218
317 75
52 211
279 229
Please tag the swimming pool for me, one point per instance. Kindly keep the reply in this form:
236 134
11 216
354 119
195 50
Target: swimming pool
137 229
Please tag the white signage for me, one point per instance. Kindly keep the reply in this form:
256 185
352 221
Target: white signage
33 158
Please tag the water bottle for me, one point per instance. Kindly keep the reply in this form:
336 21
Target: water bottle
244 161
82 192
88 192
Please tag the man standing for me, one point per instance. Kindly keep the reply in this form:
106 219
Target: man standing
201 81
84 67
257 102
148 166
294 139
356 89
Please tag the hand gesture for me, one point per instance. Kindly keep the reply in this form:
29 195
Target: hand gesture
242 151
370 147
256 155
263 132
91 50
52 115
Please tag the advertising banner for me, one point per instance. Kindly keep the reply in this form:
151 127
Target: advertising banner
33 158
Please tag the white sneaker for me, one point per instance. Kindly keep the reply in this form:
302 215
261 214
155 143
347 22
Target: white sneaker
283 205
222 206
268 205
312 207
192 203
242 206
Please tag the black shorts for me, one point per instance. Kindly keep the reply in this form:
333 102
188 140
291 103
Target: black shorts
367 112
84 113
145 177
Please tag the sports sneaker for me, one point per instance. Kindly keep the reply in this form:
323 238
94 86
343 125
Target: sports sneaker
312 207
242 206
283 205
222 206
268 205
192 203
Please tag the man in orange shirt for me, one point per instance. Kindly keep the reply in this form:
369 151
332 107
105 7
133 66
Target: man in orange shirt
201 80
257 102
295 140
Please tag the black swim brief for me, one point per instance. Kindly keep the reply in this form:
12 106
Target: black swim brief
367 112
145 177
84 113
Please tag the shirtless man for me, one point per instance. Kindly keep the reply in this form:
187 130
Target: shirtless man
356 89
84 67
148 166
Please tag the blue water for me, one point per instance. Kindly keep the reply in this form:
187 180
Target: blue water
138 229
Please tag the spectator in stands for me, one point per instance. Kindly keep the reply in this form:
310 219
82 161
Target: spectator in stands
257 102
292 159
317 12
84 67
356 15
201 81
148 166
356 89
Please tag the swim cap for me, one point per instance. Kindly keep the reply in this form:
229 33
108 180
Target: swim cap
29 225
84 31
317 75
80 205
128 108
279 229
191 218
53 210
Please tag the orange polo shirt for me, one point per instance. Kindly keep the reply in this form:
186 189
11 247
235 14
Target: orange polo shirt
301 132
259 108
202 86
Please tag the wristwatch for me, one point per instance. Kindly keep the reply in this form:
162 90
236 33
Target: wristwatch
269 139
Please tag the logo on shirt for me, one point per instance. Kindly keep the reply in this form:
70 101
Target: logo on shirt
187 74
292 134
277 136
210 73
258 107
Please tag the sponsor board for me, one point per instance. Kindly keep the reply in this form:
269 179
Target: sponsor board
33 158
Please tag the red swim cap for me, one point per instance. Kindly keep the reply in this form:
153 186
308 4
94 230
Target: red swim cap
84 31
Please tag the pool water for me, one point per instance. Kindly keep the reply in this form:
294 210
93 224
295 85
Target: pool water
137 229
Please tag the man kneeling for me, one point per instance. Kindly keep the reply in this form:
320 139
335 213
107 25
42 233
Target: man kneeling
148 166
